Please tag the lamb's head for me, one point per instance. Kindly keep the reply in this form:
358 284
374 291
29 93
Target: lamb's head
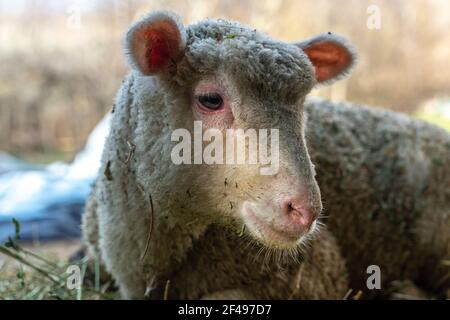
239 83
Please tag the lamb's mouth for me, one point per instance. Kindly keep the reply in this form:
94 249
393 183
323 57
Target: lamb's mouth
267 233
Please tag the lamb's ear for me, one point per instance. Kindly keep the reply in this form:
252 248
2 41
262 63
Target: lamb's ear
155 42
331 55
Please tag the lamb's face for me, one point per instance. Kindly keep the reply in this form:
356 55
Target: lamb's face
277 197
240 95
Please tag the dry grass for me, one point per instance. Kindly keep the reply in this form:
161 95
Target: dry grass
32 275
27 276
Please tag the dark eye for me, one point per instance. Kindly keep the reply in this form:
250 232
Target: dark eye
212 101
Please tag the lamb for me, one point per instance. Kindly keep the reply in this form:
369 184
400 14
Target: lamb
151 220
396 172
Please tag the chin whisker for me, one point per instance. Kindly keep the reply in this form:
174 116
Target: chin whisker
268 256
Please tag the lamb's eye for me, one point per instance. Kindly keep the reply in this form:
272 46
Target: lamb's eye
212 101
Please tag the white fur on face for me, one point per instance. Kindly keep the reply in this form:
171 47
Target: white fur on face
257 202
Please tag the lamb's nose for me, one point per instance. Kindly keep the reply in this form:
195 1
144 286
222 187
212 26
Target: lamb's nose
298 214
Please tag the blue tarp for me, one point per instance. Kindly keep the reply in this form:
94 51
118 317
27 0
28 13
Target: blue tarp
48 200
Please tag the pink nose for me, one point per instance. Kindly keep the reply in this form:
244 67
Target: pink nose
298 215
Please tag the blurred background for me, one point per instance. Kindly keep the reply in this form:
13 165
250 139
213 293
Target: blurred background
61 60
61 65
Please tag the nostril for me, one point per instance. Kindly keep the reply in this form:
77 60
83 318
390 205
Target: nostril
298 214
290 207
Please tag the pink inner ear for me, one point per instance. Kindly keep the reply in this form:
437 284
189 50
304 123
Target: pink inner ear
156 46
329 59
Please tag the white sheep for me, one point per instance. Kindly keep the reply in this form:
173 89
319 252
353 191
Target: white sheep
151 220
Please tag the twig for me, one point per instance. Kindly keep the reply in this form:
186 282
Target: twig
132 149
241 233
347 295
13 255
151 227
34 255
166 290
358 295
297 281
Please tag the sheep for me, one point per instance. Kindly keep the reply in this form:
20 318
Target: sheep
151 220
149 211
385 181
